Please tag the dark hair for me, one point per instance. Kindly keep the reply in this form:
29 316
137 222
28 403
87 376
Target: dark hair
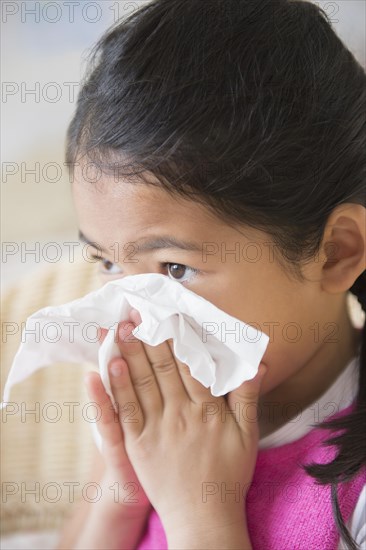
255 108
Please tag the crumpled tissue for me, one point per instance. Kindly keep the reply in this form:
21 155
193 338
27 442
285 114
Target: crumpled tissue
220 350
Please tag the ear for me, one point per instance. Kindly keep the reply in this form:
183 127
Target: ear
344 247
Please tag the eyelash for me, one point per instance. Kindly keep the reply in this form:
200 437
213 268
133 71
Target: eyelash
163 265
194 271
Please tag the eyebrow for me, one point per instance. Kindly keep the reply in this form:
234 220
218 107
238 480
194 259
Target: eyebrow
153 243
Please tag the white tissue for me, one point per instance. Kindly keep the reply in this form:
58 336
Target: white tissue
221 351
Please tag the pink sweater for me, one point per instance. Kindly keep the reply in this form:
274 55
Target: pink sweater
285 508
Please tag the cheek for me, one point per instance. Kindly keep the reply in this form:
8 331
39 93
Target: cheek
280 315
291 346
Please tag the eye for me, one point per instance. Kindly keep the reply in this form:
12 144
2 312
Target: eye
178 272
107 267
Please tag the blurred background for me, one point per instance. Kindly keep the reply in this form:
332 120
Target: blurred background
44 46
43 52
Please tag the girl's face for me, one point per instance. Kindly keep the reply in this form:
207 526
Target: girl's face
133 226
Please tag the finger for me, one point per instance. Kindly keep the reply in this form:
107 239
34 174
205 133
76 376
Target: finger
166 371
196 391
140 371
135 316
245 398
101 334
108 424
128 406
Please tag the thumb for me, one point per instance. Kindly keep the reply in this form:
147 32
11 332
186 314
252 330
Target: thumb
245 399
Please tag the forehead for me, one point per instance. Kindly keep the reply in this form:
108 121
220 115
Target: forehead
106 209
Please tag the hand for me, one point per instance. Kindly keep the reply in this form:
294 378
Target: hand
119 474
186 448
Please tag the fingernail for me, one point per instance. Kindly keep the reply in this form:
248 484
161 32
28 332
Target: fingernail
99 333
135 313
126 330
116 369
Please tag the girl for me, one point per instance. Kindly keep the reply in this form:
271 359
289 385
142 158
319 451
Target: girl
222 143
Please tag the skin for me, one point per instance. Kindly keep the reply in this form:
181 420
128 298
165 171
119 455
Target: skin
261 293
